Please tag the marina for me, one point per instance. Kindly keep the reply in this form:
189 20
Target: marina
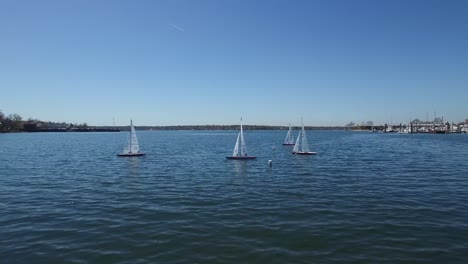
417 128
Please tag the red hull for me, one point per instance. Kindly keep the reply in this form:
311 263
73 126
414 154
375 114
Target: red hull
131 155
241 158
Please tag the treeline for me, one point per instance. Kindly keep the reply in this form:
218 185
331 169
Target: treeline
15 123
10 123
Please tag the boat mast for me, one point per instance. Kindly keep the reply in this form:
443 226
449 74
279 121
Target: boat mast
303 139
131 125
288 136
243 150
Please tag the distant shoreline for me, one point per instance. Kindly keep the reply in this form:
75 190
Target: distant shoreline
228 127
70 130
168 128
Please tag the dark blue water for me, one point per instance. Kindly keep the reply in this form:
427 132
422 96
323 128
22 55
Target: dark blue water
366 198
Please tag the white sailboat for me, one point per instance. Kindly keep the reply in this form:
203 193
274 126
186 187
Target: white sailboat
302 147
131 148
289 140
240 150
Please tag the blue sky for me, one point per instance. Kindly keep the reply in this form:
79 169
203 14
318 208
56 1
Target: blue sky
211 62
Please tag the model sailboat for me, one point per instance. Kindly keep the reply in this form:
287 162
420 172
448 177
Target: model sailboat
302 147
289 140
131 148
240 150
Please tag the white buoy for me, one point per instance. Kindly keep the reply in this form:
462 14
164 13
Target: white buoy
270 163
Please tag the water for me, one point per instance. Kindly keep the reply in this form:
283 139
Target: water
366 198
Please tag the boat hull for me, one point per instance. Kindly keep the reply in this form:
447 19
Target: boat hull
305 153
288 144
241 158
131 154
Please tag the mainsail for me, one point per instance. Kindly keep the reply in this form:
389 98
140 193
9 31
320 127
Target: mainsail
131 147
240 149
134 147
243 149
132 142
305 144
236 147
302 146
240 143
289 140
298 142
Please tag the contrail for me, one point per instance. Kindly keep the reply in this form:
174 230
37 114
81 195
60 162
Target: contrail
179 28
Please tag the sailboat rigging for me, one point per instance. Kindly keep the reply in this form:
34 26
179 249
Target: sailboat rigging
302 147
289 140
131 148
240 149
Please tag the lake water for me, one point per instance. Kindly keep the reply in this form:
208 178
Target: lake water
365 198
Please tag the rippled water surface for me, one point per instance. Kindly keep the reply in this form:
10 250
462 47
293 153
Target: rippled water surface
366 198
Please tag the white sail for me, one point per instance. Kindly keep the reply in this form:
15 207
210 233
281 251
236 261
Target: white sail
131 146
236 147
243 149
289 137
298 142
305 144
302 146
240 149
134 147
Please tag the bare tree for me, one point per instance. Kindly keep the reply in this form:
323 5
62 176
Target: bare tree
15 122
2 121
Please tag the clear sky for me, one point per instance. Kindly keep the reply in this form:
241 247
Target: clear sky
211 62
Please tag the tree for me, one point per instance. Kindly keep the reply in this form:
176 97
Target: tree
2 121
350 124
15 117
14 122
32 120
369 123
83 125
